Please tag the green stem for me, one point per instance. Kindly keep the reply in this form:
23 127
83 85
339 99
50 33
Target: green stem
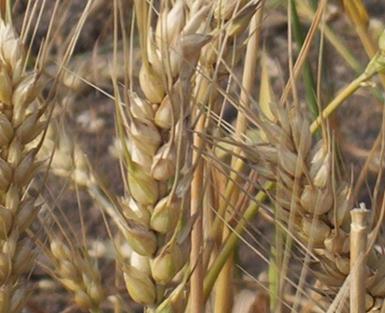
232 240
341 97
275 266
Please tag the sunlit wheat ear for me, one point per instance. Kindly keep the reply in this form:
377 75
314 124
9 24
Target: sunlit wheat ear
157 143
21 121
74 269
308 187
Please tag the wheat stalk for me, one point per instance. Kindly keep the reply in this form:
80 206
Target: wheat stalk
358 246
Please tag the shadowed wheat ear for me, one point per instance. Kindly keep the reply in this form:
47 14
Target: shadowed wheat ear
71 264
75 270
312 195
21 121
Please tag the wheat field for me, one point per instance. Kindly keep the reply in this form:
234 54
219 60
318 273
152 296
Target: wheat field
192 156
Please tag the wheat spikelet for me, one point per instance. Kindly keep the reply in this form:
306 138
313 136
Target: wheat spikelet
309 189
21 121
75 271
68 159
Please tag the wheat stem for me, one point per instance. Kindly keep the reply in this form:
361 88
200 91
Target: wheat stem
336 102
232 240
306 11
196 293
358 243
310 89
223 298
6 11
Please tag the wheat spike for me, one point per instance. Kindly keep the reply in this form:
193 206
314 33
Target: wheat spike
157 126
74 270
304 176
21 121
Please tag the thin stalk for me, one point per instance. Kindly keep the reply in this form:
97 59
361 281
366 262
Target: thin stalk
230 188
304 50
265 99
232 240
3 8
308 78
223 296
308 12
6 10
196 293
344 52
357 14
358 243
274 266
334 104
341 97
9 11
223 287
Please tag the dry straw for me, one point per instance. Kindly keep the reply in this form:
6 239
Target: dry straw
358 246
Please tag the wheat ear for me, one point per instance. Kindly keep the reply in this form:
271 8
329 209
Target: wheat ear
159 152
315 198
21 121
74 269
